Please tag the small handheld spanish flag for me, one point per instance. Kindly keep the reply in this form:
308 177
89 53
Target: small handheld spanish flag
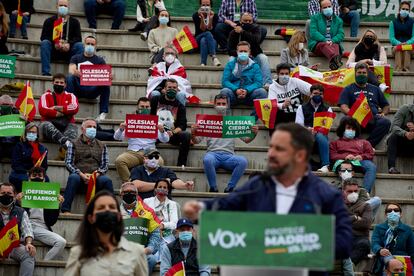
40 160
142 210
90 193
57 30
405 47
408 266
184 41
361 111
19 20
266 110
25 102
285 32
9 238
322 121
176 270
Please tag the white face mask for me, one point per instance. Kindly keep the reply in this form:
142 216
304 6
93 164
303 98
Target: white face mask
169 59
346 175
352 197
301 46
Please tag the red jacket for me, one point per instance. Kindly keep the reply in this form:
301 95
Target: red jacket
67 100
342 147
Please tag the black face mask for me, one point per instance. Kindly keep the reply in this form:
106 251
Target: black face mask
58 88
6 200
37 179
129 198
247 26
106 221
368 41
6 109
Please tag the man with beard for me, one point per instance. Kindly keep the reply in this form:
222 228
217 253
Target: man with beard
288 186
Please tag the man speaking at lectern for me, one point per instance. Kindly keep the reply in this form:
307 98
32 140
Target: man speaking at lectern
287 186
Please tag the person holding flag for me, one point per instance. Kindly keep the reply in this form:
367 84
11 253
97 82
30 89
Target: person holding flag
19 12
376 105
85 157
14 222
25 103
306 116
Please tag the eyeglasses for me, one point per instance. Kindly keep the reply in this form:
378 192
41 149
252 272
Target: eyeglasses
156 156
391 210
346 170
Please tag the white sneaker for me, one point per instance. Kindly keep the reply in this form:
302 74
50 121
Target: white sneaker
202 64
324 169
101 116
383 87
144 36
216 62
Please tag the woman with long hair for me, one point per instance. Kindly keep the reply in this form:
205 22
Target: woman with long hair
4 30
102 249
296 54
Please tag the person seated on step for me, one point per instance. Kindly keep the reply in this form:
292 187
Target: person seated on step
242 80
145 176
132 206
172 115
288 92
205 21
249 31
304 117
62 45
116 8
295 53
4 33
401 33
86 157
24 253
314 7
161 36
88 57
326 35
27 154
401 140
360 214
42 220
183 249
350 15
12 9
350 147
147 16
7 143
369 51
170 68
379 125
220 151
134 156
57 109
392 237
394 267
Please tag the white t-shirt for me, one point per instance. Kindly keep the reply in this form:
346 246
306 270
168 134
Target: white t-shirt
285 196
292 90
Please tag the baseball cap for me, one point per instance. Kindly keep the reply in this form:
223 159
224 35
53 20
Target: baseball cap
184 222
150 151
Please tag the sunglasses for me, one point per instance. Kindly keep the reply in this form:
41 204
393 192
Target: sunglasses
346 170
390 210
156 156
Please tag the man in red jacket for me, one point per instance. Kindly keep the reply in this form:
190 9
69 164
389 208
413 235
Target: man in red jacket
57 109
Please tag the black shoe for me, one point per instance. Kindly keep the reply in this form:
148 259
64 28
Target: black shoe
222 50
46 74
138 27
393 170
213 190
228 190
11 36
25 37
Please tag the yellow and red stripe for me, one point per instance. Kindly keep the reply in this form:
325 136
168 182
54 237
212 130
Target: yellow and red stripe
266 110
322 121
361 111
25 102
9 238
176 270
90 193
184 41
57 30
142 210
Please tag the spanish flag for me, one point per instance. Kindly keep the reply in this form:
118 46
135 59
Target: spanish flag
322 121
408 266
25 102
266 110
9 238
40 160
405 47
361 111
90 193
19 20
142 210
176 270
285 32
57 30
184 41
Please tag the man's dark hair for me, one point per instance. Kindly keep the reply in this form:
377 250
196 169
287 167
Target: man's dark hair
350 182
7 184
143 99
243 43
93 37
211 3
170 80
350 122
344 162
221 97
37 170
361 65
301 138
282 66
405 3
317 86
393 203
58 76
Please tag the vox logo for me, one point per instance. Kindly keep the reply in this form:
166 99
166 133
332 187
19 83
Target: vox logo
227 239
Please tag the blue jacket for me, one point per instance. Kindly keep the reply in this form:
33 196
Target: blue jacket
22 157
250 79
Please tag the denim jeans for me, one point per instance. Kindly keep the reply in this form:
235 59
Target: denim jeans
47 51
263 62
50 238
152 262
221 159
207 45
27 262
347 267
116 8
353 18
89 92
75 184
322 143
181 96
258 93
370 174
13 22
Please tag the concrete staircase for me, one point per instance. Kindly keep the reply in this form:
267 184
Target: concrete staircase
128 55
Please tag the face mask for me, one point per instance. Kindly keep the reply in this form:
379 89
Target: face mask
317 99
404 13
90 132
58 88
6 200
161 192
106 221
346 175
143 111
62 10
327 12
151 163
129 198
368 41
243 56
169 59
163 20
185 236
393 217
283 79
31 137
349 133
300 46
361 79
5 109
171 93
352 197
221 109
89 49
37 179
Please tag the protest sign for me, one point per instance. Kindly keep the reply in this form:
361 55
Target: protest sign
141 126
238 126
96 75
136 230
11 125
209 125
7 66
40 195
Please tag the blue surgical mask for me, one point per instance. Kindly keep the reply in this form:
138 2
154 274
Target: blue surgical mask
243 56
283 79
349 133
62 10
163 20
90 132
327 12
31 137
89 49
404 13
185 236
393 217
317 99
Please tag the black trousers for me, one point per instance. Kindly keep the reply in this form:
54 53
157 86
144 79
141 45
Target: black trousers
398 145
182 140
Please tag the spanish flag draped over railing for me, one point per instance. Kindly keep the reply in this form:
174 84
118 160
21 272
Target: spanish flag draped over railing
266 110
9 238
90 193
176 270
408 266
361 111
405 47
57 30
40 160
142 210
184 41
25 102
322 121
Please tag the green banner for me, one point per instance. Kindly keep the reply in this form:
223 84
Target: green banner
136 230
238 126
11 125
7 66
40 195
266 239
